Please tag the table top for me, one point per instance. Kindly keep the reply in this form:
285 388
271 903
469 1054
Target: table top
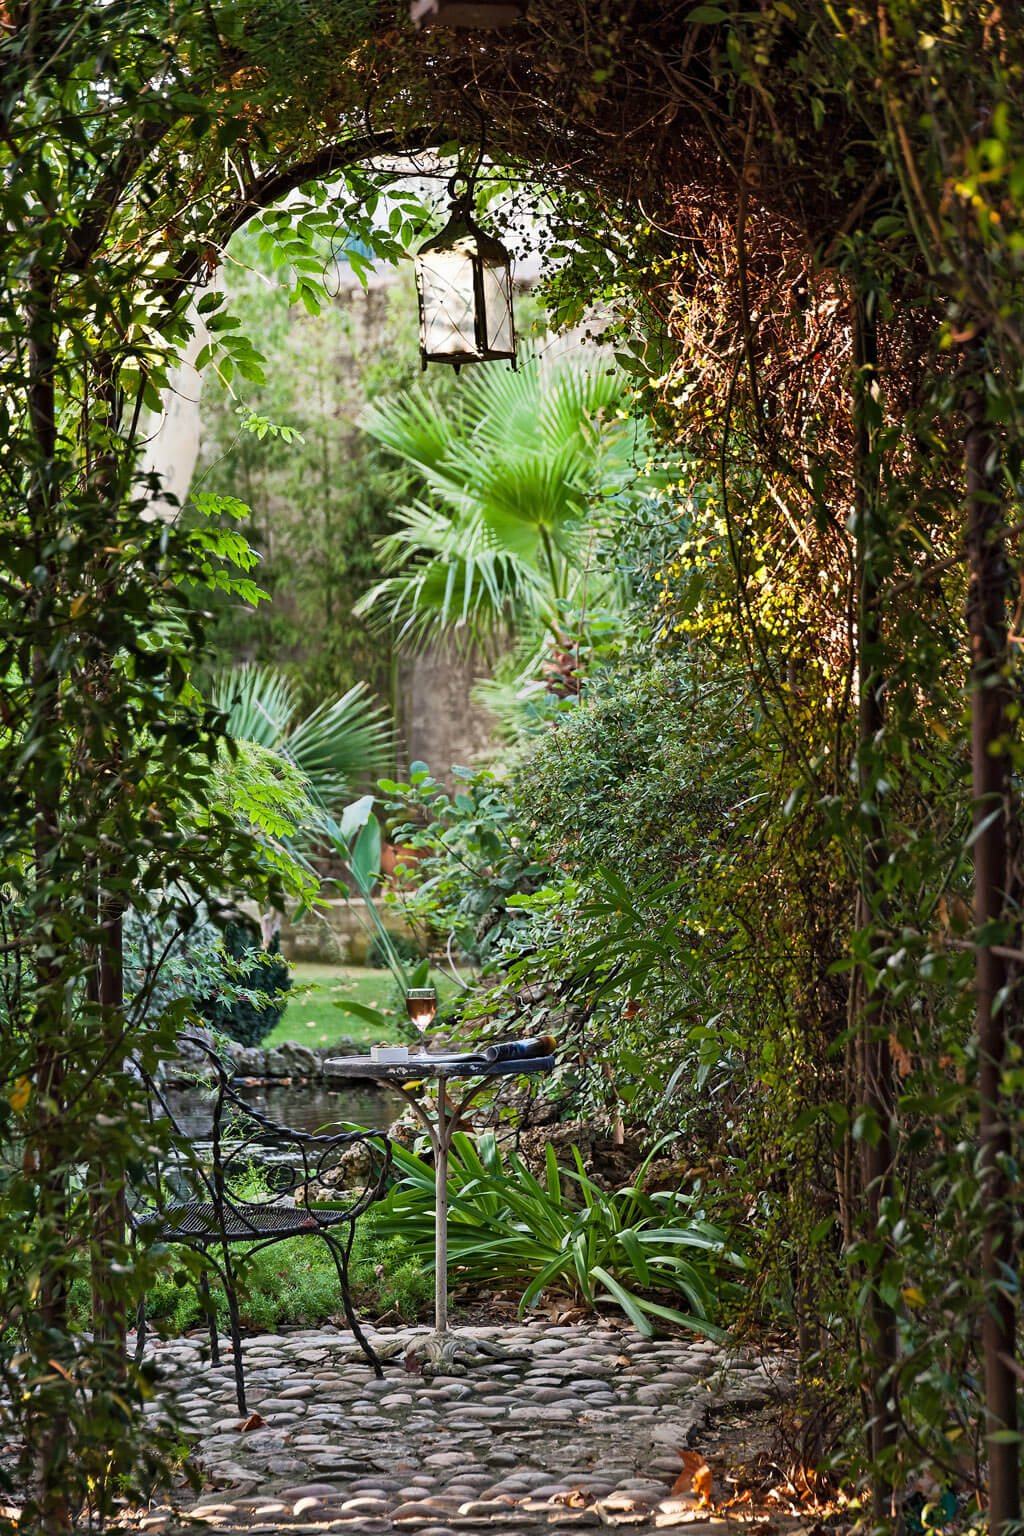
444 1064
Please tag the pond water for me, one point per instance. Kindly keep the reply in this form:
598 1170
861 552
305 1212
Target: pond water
301 1106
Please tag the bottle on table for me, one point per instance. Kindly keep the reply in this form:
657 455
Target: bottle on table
519 1050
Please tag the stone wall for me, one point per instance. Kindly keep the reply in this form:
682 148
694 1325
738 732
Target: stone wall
339 935
438 723
253 1063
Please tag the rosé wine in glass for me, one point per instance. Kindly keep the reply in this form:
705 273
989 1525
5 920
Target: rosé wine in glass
421 1006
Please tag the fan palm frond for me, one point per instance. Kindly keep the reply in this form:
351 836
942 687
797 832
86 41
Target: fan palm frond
501 409
421 527
583 405
259 703
517 475
475 596
522 499
343 741
413 426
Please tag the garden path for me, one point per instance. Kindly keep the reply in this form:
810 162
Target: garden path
585 1432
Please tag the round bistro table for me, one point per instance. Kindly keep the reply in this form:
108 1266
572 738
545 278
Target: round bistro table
444 1067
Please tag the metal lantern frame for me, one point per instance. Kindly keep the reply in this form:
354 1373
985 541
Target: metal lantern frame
462 15
464 290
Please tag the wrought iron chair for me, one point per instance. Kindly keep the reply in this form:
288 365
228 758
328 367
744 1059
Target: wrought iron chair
202 1197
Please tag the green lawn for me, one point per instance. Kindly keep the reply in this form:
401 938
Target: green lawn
312 1017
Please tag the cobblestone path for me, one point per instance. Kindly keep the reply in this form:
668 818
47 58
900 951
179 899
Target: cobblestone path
585 1432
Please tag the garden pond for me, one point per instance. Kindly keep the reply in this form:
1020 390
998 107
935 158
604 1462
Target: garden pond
302 1106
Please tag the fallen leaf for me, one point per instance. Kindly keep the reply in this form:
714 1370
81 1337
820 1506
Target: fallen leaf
694 1478
254 1421
746 1497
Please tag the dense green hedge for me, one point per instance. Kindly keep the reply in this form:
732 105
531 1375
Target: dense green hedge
260 980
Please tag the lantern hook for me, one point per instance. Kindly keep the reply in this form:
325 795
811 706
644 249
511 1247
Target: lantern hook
462 202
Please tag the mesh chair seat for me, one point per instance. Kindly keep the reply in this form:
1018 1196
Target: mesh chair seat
199 1219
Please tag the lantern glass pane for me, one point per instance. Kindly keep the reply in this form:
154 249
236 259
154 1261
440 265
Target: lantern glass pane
498 309
446 290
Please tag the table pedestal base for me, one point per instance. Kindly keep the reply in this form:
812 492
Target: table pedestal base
443 1353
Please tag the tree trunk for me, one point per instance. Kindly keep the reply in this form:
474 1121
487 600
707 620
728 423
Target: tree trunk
990 730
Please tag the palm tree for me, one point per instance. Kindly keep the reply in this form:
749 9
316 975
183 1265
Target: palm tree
340 745
521 473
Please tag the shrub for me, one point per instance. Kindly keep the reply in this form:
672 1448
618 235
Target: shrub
619 1248
295 1284
387 1273
257 999
234 985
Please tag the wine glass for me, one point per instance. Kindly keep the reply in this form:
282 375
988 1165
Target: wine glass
421 1006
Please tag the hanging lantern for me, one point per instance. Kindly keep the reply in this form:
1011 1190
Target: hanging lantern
477 15
464 285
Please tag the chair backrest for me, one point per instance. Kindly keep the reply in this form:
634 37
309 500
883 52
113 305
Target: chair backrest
251 1162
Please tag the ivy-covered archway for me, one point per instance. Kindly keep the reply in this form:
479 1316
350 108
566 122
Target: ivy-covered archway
810 225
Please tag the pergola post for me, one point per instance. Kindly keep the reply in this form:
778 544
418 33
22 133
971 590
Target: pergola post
990 769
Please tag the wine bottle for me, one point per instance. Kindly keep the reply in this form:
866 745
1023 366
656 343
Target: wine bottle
519 1050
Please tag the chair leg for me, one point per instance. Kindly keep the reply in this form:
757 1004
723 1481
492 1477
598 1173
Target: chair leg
339 1253
236 1331
211 1317
140 1329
